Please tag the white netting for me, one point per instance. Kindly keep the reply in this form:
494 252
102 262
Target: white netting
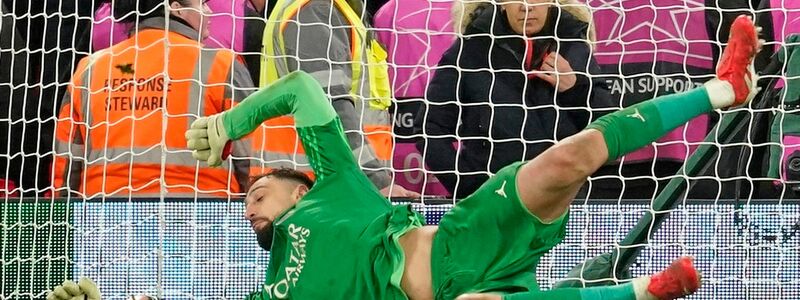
168 235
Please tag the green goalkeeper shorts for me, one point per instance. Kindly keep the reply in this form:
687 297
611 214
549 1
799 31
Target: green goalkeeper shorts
489 242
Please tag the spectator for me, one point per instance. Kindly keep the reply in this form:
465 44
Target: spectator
51 35
415 34
329 40
238 25
120 125
12 92
226 15
373 6
515 83
106 32
255 13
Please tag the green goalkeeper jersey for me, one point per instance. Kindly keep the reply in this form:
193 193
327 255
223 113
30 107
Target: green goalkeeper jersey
341 239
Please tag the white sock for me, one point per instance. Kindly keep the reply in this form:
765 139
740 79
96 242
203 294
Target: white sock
720 93
640 285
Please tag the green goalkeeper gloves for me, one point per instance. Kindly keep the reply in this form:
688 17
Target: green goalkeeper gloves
209 137
85 289
209 140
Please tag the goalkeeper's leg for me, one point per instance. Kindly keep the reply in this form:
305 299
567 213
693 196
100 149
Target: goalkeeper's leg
548 184
678 280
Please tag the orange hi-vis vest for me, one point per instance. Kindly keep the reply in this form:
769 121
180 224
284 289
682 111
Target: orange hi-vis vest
276 142
121 125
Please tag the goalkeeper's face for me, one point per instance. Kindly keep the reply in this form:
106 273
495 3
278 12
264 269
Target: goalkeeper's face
527 17
267 199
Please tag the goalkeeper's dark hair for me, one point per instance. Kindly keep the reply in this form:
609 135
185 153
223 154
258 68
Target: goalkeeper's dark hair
285 174
128 11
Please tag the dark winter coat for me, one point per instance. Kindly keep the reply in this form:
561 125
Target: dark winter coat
481 97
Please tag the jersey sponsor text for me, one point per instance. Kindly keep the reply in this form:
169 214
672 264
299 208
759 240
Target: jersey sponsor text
297 259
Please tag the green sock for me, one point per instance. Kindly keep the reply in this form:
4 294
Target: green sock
555 294
616 292
639 125
613 292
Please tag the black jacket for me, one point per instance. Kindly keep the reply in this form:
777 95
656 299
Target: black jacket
33 80
481 95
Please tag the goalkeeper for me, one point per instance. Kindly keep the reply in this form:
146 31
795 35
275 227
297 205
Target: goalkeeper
342 240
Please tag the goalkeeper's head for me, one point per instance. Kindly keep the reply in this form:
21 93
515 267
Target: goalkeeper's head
271 195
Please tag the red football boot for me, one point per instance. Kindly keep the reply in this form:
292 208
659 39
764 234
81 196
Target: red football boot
735 67
678 280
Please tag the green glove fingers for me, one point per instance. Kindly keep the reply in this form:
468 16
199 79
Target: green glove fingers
71 288
200 123
198 143
201 155
60 293
206 138
217 138
89 288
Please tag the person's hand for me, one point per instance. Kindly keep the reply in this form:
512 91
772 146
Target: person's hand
208 140
557 72
397 191
85 289
479 297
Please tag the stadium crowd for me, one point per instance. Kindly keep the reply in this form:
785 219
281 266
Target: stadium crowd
435 95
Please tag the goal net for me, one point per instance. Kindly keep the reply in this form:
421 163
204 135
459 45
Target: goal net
739 218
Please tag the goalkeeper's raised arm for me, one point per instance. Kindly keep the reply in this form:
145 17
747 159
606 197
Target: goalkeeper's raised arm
296 94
